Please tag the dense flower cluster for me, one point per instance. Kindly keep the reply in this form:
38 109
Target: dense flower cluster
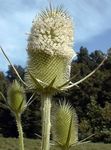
52 33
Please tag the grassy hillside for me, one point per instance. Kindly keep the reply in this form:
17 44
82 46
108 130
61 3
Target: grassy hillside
12 144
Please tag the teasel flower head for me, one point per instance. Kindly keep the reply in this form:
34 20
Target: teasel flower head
65 126
50 47
16 98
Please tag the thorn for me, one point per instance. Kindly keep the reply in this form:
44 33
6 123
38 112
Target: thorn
38 135
86 77
30 100
6 57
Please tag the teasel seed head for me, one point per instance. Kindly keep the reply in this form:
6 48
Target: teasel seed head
16 97
65 126
50 47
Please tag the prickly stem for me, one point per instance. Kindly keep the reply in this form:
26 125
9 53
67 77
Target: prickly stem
20 131
46 124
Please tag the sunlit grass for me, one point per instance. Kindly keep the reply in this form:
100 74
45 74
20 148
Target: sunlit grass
12 144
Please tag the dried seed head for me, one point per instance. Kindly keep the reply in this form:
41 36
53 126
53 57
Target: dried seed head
50 47
16 97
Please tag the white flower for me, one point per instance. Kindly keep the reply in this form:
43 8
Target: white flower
52 33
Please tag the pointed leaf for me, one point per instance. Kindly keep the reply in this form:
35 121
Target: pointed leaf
20 107
87 76
69 133
37 83
52 82
50 87
30 100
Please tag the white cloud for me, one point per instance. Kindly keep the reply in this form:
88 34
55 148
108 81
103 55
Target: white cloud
92 17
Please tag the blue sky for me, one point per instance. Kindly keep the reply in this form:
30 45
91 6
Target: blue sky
92 25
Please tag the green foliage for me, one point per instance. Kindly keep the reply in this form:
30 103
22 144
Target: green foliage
3 84
91 96
92 100
106 112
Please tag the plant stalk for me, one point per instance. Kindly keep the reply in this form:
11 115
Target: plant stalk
20 131
46 123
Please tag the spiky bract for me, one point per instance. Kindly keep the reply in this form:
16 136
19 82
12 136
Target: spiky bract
16 97
65 125
50 47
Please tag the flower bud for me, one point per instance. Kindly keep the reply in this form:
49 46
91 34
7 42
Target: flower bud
50 47
65 125
16 97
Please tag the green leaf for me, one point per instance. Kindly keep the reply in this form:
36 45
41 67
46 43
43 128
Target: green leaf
37 83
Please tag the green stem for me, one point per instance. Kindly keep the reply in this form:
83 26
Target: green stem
46 124
20 131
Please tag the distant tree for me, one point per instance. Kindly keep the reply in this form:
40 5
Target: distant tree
106 113
104 94
97 56
11 75
92 94
92 99
32 120
3 83
108 62
7 122
83 55
94 116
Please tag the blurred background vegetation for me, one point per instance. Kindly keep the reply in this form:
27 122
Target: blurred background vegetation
92 100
